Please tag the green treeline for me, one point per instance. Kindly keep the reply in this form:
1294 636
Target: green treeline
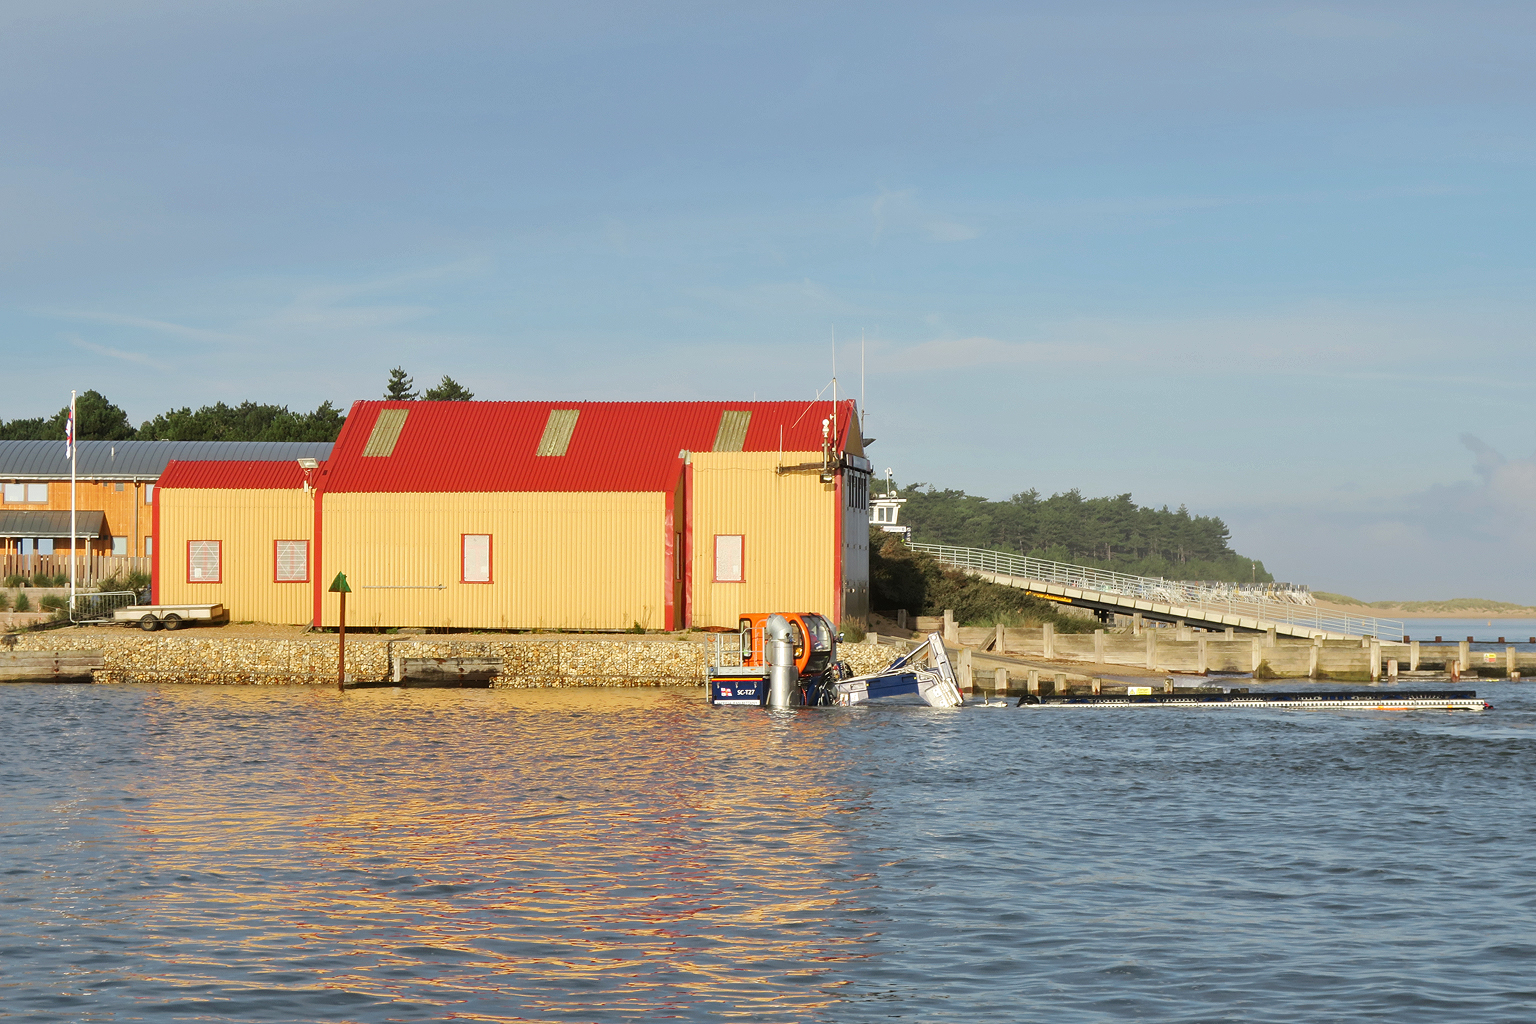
1110 533
97 419
902 578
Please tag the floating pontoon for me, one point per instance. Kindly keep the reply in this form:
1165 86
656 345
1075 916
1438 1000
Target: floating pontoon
1417 700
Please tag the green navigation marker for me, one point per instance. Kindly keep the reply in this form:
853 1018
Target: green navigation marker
339 584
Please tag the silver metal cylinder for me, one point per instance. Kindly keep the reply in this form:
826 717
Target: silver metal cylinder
782 676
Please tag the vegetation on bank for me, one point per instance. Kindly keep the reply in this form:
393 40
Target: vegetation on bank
902 578
1109 533
98 419
1455 606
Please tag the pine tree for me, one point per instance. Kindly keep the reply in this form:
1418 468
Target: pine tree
449 390
399 389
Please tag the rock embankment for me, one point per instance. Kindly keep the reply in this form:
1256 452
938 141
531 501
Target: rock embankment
204 656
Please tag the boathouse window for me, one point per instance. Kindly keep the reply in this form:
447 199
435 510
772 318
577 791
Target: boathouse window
31 494
119 546
149 547
292 560
477 558
149 494
205 562
728 557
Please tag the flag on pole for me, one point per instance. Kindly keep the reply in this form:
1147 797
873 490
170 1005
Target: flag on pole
69 431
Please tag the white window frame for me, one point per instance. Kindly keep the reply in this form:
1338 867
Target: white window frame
15 494
119 546
37 494
730 558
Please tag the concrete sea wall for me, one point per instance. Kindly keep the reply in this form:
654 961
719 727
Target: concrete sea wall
203 656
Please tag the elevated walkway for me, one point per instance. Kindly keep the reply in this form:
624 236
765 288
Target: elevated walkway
1193 604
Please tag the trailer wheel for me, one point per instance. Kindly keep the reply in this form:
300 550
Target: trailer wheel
171 621
149 623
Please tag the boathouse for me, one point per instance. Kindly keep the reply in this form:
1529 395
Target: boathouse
534 515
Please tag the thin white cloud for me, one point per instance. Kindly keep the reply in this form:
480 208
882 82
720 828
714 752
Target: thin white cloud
116 353
161 326
965 353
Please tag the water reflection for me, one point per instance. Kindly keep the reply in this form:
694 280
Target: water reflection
247 854
453 850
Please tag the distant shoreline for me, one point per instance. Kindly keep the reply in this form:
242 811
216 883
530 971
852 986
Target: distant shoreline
1400 613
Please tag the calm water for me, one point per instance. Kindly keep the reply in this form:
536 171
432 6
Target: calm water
1484 630
184 853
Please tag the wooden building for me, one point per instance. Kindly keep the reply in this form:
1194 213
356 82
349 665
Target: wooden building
536 515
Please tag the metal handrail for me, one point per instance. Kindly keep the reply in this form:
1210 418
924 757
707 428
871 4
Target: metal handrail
1155 588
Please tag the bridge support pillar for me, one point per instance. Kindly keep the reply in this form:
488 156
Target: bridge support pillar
1270 639
1200 653
1136 624
1317 645
1258 653
1375 657
1152 650
1231 633
1048 641
1413 656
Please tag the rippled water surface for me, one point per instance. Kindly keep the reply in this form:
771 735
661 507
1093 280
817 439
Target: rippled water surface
186 853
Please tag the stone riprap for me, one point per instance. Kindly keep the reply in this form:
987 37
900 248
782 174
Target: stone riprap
137 657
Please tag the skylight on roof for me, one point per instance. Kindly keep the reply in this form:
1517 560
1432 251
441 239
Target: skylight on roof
732 434
386 431
557 431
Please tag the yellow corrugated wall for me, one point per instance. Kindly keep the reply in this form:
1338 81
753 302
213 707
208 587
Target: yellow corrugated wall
788 521
558 560
246 523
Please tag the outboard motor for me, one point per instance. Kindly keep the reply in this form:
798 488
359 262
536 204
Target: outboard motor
783 676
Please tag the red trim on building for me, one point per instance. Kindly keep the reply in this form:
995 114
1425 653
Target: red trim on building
154 561
672 562
688 547
319 573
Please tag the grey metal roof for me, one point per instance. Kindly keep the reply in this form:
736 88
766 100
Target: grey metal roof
141 460
39 523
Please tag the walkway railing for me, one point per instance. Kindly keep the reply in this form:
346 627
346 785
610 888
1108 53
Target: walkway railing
1194 596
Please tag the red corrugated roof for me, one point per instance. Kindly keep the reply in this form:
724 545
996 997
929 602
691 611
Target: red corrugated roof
616 446
233 475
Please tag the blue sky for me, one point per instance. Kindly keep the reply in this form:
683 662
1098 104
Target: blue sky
1270 260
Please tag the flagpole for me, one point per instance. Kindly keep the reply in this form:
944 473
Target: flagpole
73 463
